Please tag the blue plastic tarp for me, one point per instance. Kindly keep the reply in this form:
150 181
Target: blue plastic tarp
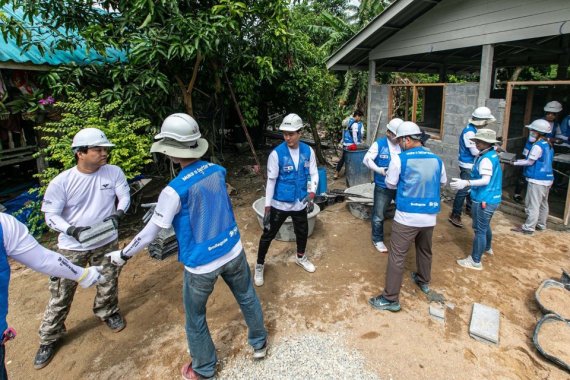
10 51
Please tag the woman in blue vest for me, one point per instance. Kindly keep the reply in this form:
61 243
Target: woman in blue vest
417 174
467 152
486 190
197 205
18 244
292 179
352 135
539 175
377 159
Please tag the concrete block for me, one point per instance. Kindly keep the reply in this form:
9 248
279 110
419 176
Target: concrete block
437 312
484 325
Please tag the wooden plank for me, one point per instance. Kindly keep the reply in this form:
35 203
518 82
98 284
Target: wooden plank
414 102
507 118
528 106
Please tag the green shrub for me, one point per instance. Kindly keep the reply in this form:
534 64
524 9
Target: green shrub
127 132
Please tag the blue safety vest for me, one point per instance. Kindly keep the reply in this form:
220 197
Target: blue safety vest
492 192
4 282
465 155
291 183
542 168
382 160
347 140
527 147
419 184
205 226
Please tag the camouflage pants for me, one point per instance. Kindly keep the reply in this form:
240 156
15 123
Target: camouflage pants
62 292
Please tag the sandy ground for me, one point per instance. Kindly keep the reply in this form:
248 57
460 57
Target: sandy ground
404 345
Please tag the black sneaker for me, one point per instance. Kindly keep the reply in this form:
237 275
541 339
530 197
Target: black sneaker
381 303
44 355
260 353
423 287
115 322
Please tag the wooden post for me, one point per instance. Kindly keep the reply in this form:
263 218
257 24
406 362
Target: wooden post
507 118
485 74
528 105
371 82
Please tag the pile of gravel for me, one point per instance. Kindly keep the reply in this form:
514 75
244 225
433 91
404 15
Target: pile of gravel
303 357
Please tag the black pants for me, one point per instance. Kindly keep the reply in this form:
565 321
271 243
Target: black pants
340 162
277 218
3 373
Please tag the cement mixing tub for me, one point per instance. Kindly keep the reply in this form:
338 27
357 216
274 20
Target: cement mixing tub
286 232
361 207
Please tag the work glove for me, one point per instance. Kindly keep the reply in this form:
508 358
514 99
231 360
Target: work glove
309 201
267 219
458 184
91 276
117 258
352 147
75 231
118 215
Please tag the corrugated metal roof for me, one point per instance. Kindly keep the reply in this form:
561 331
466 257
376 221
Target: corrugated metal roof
10 51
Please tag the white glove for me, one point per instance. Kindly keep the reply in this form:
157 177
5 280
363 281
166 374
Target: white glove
91 276
519 162
458 184
117 258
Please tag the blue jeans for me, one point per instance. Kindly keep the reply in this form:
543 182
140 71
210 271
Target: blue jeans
197 289
482 227
462 194
382 199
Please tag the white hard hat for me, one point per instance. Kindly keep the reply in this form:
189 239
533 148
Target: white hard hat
481 116
553 106
180 137
291 123
90 137
408 128
180 127
540 125
394 124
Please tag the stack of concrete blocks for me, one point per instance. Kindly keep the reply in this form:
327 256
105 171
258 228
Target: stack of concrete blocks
378 103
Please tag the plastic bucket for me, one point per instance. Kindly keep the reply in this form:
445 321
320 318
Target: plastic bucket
322 188
286 232
356 172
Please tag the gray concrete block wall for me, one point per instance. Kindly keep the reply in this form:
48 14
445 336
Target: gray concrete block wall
378 103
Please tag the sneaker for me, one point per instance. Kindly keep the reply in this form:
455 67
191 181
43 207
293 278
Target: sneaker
381 303
540 228
260 353
336 175
304 262
517 198
189 374
469 263
115 322
423 287
521 230
380 247
490 252
44 355
455 220
258 276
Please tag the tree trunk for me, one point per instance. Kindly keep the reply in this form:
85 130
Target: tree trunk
187 90
318 150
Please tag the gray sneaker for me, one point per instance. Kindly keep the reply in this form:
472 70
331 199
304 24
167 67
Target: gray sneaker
258 276
304 263
469 263
381 303
260 353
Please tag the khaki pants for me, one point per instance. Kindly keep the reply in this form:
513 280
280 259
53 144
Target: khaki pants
62 291
400 240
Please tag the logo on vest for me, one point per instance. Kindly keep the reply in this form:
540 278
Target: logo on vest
217 245
199 170
433 204
288 168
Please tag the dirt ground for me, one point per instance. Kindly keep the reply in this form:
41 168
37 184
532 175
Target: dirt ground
404 345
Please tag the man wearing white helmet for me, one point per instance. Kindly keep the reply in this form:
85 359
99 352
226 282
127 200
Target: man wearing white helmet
377 159
17 243
417 174
353 135
539 175
197 206
75 200
292 179
552 111
486 185
467 153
